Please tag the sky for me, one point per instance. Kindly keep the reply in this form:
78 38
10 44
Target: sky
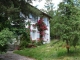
40 5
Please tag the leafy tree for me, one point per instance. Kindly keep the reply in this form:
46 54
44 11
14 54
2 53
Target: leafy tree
67 22
5 38
52 23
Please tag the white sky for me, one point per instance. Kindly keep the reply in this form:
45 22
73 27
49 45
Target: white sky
41 4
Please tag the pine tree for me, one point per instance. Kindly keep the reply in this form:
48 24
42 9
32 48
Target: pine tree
10 17
10 13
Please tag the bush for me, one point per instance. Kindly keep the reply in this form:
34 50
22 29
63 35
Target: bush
23 44
3 48
24 40
5 37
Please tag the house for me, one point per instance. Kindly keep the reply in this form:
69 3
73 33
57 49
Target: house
34 31
35 34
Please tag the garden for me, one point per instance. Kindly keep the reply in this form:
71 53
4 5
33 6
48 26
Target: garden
56 50
64 29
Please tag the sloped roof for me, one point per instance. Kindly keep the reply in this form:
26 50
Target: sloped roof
42 13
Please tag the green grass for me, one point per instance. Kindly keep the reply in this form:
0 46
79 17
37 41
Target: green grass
53 51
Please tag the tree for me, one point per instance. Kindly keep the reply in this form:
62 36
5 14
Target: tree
10 15
49 7
67 23
6 37
54 33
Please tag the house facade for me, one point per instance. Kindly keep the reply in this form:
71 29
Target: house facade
34 32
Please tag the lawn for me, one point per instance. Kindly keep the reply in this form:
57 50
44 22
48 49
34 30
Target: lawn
53 51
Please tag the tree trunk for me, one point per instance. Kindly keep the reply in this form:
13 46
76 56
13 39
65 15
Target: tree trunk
67 50
67 46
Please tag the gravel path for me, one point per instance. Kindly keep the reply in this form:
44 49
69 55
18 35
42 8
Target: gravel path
12 56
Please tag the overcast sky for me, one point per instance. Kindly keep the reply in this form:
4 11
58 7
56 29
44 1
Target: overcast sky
40 5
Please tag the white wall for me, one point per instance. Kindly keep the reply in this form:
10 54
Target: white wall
47 32
34 34
34 31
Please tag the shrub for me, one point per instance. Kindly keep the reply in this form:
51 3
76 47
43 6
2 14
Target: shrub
25 39
5 38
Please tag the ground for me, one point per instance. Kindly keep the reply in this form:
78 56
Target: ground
12 56
56 50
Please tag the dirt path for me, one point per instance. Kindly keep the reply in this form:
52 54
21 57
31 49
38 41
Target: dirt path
12 56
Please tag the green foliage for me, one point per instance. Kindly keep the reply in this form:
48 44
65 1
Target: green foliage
25 39
5 38
10 14
10 18
3 49
23 44
66 22
49 8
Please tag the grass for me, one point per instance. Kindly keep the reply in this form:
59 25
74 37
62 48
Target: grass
54 51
